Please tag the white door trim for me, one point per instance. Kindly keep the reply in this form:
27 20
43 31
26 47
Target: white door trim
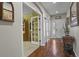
32 31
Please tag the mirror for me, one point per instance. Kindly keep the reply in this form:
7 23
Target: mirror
6 11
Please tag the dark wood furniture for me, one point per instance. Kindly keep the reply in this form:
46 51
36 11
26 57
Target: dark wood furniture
68 39
68 45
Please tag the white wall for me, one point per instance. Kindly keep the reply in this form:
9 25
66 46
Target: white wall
11 34
74 31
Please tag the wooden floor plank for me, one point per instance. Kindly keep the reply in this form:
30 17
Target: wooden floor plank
53 48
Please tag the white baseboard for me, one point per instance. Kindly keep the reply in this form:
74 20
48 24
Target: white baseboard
75 52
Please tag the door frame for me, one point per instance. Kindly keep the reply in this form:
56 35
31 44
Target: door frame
38 31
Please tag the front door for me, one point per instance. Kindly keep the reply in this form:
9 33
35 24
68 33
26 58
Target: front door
58 28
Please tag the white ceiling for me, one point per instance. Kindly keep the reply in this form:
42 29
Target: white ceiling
60 7
26 9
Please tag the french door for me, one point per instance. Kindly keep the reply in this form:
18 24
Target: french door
35 30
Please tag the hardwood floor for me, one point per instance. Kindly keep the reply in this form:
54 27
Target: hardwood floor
53 48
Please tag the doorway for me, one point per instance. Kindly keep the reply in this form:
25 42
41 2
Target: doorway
30 30
58 28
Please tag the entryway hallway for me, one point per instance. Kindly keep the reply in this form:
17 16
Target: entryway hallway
48 26
39 29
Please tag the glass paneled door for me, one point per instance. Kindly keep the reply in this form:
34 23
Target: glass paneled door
57 28
35 30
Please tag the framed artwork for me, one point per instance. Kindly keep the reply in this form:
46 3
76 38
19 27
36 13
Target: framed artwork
6 11
58 17
74 16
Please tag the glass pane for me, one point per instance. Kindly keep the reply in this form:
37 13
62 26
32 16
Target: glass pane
35 29
7 6
7 15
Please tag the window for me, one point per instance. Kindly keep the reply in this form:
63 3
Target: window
6 11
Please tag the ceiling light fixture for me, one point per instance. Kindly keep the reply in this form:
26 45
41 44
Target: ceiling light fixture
56 11
54 2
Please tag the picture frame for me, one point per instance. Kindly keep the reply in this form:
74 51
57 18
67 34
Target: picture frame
74 16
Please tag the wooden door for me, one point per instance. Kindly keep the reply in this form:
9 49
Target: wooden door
26 30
